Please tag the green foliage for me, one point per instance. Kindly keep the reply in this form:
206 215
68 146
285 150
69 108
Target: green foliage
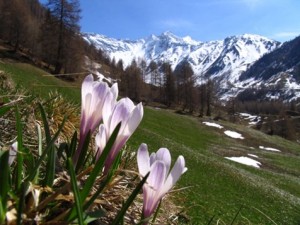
39 83
216 187
219 190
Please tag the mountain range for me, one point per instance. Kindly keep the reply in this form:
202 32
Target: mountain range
239 65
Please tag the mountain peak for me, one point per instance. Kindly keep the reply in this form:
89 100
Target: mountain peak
224 61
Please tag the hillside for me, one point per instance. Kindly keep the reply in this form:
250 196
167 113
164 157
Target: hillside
216 189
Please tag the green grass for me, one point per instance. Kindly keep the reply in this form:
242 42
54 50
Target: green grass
217 188
38 82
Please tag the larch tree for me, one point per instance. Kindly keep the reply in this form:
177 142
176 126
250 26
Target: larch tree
61 25
169 84
186 85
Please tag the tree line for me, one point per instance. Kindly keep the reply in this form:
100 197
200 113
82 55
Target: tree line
157 82
49 34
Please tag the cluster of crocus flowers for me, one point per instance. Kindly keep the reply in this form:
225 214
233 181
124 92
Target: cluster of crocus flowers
99 103
94 96
129 115
159 181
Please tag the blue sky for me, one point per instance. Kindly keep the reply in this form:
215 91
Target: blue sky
202 20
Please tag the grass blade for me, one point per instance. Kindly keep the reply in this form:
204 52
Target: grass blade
40 146
78 202
73 145
4 183
32 175
20 158
82 157
50 172
129 201
99 164
236 215
21 202
98 168
45 122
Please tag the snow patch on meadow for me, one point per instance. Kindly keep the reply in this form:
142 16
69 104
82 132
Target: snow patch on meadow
252 155
251 118
269 149
245 160
233 134
213 125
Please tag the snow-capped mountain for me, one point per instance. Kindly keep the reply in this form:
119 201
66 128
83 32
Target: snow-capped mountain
276 74
223 60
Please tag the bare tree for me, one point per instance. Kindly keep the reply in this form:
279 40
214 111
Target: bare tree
186 85
169 84
62 24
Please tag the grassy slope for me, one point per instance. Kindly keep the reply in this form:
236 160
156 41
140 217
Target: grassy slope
218 187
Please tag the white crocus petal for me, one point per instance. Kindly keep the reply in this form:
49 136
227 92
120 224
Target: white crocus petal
134 120
177 170
126 113
152 158
100 140
12 152
86 86
99 95
157 175
152 187
164 155
114 90
108 108
158 183
120 113
143 159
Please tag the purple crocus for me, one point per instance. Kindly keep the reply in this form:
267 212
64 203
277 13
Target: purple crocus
93 99
129 115
160 181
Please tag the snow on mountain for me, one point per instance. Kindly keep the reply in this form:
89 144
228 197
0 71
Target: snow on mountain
223 60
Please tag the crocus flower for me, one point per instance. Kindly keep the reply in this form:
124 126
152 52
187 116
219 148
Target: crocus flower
160 181
129 115
93 98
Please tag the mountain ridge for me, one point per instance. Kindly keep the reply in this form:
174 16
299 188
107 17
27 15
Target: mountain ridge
224 61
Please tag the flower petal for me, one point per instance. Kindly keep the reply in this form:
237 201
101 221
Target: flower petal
107 109
164 155
115 90
100 141
152 158
157 175
134 120
120 113
177 170
86 87
12 152
152 187
143 159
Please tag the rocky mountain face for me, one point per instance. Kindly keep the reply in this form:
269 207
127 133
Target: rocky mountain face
236 64
276 74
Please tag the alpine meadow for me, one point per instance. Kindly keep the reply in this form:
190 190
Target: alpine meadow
159 130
